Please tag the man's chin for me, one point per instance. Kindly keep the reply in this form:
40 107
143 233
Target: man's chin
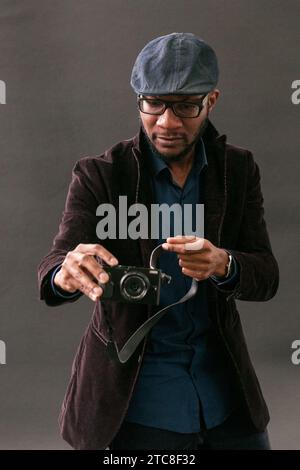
169 155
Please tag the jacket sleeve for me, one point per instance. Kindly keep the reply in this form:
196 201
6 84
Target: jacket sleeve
259 274
78 225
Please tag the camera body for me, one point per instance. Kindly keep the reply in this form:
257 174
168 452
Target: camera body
133 284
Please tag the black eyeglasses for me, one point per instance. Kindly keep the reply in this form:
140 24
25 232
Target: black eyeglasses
183 109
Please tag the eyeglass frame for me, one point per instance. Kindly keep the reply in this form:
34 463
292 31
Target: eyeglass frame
170 104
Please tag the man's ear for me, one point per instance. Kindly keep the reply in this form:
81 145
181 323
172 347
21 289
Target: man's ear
212 99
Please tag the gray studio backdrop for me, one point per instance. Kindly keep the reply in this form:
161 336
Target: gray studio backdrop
64 93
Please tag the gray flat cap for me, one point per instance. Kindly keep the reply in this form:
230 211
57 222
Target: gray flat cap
179 63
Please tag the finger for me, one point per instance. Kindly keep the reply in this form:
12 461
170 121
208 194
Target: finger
196 245
179 245
192 257
200 276
84 283
181 239
174 248
98 250
195 266
89 264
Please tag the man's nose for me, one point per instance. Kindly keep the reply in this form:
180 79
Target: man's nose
169 120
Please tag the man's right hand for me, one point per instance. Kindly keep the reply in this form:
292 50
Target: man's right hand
81 271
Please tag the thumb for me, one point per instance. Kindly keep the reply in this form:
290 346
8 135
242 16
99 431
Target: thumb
195 245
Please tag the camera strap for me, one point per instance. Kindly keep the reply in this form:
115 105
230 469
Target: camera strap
132 343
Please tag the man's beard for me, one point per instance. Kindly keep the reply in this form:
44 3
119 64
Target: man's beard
179 157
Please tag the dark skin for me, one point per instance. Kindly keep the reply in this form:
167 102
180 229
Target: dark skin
171 136
80 270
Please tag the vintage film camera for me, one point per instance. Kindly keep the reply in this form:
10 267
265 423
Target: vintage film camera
133 284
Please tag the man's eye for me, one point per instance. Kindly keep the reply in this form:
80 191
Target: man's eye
185 106
154 103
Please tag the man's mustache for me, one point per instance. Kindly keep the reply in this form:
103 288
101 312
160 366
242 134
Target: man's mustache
170 136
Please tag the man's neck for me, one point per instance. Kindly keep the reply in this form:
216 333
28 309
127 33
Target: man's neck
180 170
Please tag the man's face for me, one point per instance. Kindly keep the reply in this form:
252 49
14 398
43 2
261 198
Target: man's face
171 136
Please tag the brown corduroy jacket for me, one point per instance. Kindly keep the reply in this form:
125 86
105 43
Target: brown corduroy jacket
99 390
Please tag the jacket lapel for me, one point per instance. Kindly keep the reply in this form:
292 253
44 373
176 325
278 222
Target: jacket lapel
146 197
214 188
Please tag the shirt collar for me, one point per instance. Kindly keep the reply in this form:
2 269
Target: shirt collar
157 166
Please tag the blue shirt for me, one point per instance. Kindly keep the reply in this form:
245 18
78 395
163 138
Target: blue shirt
184 371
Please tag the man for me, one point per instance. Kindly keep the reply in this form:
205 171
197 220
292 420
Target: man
190 384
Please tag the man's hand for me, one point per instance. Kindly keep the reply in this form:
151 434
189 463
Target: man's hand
81 271
198 257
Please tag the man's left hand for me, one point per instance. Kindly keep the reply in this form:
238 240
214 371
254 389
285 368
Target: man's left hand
198 257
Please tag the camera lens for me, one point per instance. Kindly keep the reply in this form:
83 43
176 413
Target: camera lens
134 286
